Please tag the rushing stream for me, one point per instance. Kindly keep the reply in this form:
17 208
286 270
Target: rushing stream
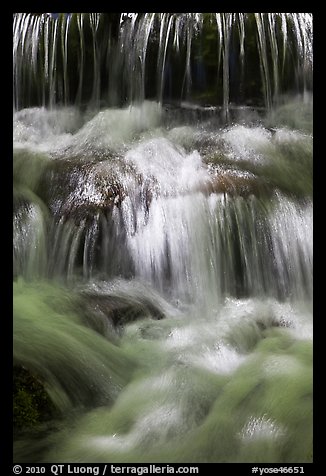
162 249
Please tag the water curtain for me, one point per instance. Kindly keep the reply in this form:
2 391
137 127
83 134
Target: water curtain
210 58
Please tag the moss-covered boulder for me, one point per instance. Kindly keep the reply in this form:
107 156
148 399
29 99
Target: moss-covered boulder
31 403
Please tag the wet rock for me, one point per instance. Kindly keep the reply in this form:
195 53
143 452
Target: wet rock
119 310
81 187
78 188
235 182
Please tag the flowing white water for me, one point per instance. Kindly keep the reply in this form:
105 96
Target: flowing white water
138 224
163 254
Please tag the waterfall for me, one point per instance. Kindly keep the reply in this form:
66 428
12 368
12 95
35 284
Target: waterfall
171 41
162 237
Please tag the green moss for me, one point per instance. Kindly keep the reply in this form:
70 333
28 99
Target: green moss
31 403
287 164
28 168
25 413
290 170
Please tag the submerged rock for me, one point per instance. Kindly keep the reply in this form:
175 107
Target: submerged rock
118 309
81 368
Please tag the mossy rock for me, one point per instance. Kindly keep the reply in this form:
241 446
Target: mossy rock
31 403
28 168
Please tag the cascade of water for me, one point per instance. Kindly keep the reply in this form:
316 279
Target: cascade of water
153 204
64 46
172 39
263 58
80 23
163 44
52 40
94 20
144 29
227 24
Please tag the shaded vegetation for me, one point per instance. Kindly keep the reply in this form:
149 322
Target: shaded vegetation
31 403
